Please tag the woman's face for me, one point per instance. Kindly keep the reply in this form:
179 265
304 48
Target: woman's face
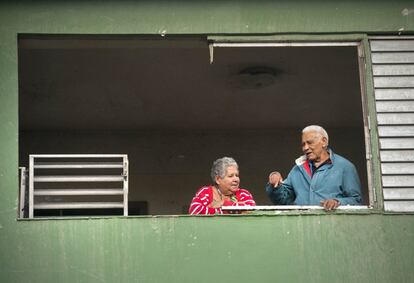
230 183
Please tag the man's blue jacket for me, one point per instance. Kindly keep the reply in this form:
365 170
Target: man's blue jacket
336 180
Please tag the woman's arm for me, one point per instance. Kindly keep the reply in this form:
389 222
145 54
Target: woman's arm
243 198
201 203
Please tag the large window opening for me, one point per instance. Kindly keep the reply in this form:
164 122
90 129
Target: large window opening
161 102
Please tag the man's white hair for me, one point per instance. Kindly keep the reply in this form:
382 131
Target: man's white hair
317 129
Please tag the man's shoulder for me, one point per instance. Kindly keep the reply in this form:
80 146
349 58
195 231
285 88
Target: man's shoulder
296 170
340 160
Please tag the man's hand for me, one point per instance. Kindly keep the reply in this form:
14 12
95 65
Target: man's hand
330 204
275 179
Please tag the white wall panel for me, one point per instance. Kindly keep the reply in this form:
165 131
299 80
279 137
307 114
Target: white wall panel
398 181
392 45
400 193
393 70
394 94
397 155
393 57
396 131
399 206
394 81
395 118
395 106
397 168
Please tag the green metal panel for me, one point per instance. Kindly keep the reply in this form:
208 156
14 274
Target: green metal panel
289 248
209 17
292 248
372 120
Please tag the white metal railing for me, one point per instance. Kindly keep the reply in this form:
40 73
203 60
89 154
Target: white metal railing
22 191
64 164
291 207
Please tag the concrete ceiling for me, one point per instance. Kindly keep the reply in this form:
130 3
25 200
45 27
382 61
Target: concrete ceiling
141 84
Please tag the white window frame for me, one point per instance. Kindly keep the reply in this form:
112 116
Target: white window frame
246 42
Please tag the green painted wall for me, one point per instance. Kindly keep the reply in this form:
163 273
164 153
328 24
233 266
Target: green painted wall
288 248
208 17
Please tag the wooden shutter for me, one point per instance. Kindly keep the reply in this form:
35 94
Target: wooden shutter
393 70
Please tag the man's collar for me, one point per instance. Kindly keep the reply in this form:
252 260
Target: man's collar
302 159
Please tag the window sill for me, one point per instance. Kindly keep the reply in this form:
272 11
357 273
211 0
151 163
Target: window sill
261 210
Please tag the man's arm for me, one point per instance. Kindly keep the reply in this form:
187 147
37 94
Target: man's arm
351 187
278 192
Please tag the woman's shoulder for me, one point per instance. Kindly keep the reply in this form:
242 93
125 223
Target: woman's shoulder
205 190
243 191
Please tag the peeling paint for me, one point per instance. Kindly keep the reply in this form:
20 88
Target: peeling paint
155 227
407 12
368 248
162 32
88 273
108 18
192 241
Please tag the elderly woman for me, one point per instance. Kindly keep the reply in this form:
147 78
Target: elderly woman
224 192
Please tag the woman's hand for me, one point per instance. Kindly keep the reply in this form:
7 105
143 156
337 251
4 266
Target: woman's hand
216 203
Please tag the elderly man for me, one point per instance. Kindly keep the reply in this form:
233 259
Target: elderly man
320 176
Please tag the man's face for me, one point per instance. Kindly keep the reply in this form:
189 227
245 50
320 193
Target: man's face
313 145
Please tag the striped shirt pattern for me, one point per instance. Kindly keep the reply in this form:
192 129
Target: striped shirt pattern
204 196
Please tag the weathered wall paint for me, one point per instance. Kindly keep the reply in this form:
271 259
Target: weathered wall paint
210 17
290 248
